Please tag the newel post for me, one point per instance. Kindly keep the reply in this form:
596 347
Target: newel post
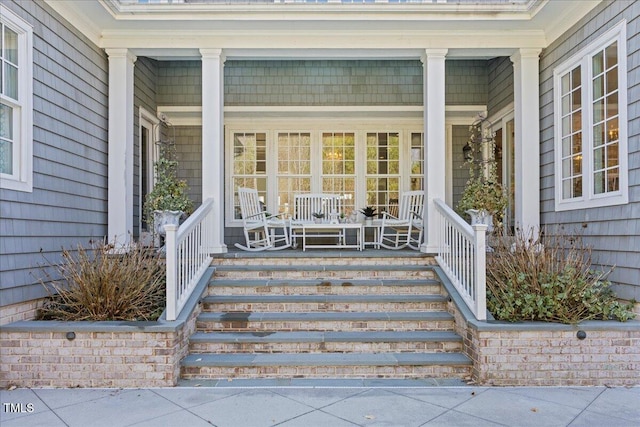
172 269
480 270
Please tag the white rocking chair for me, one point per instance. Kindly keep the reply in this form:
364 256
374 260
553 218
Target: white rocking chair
404 229
260 229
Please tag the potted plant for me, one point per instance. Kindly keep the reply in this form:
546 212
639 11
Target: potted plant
483 198
369 212
168 202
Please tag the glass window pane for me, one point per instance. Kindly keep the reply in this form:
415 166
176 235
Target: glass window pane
10 46
577 121
612 80
612 105
566 104
598 134
6 122
6 157
577 164
598 63
577 99
598 111
598 87
11 81
577 143
613 183
612 155
566 125
598 158
599 182
612 130
566 168
565 82
566 189
577 187
576 77
611 54
566 146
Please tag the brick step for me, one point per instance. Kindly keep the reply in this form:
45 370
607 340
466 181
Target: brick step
326 321
321 286
306 271
305 303
323 342
326 365
283 258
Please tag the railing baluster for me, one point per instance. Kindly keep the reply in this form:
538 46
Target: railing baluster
462 255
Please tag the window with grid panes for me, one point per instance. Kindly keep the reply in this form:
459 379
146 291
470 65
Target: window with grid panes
294 168
339 168
249 166
591 166
416 178
15 102
383 169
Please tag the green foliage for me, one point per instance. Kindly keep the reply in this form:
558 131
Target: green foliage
169 193
548 279
482 191
368 211
99 284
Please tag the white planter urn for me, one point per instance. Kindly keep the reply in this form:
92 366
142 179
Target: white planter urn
481 217
162 218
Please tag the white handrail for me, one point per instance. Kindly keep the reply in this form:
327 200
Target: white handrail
462 256
188 256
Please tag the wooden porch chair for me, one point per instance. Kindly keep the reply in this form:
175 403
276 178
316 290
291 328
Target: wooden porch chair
260 229
404 229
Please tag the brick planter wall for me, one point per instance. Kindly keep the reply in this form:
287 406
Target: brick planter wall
102 354
548 354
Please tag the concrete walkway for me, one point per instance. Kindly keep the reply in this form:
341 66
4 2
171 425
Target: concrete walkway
323 404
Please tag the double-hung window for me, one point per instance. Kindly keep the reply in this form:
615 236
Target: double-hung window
16 92
590 123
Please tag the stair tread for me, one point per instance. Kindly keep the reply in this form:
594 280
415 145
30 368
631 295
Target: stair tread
325 359
320 336
324 298
220 282
324 316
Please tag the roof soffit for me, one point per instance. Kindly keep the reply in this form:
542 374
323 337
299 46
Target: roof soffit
319 26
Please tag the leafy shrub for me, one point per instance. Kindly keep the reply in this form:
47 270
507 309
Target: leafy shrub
548 278
98 284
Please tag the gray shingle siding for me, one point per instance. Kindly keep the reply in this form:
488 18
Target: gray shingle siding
500 84
68 204
614 232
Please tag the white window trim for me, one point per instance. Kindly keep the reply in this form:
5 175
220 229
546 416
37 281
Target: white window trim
583 59
22 178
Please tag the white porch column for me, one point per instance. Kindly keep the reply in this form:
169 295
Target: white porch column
434 141
527 138
213 141
120 157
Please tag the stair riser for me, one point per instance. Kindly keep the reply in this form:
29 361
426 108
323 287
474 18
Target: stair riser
324 307
324 261
325 274
360 326
346 289
399 372
325 347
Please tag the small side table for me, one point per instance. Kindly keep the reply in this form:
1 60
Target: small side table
375 225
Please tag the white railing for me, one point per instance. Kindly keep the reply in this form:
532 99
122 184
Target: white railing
462 256
188 256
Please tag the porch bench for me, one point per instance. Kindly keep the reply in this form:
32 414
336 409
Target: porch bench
306 208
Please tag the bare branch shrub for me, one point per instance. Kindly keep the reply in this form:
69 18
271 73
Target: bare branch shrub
97 284
548 277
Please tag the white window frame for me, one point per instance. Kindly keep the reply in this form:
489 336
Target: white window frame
316 126
583 59
22 177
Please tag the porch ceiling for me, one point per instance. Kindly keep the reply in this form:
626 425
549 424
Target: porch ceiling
321 31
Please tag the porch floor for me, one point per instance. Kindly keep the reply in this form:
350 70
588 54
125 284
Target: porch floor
233 252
